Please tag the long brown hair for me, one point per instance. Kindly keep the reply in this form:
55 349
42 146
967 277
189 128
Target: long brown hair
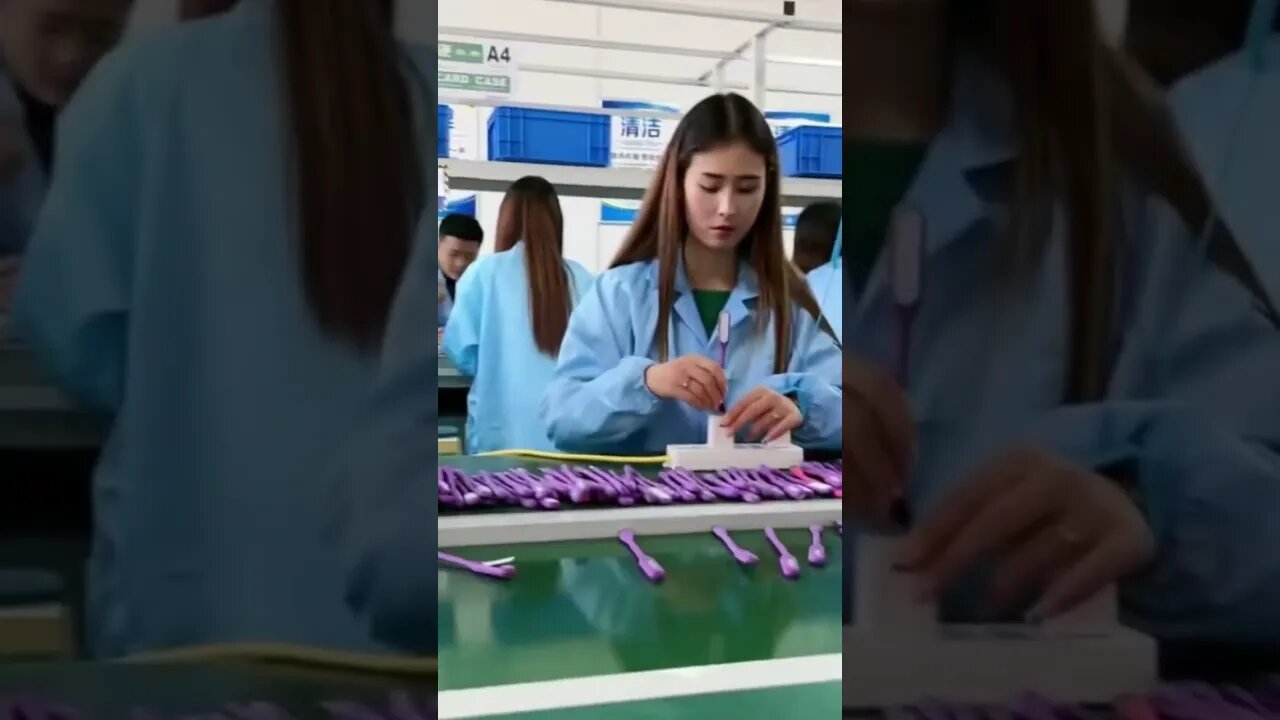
1083 120
357 172
660 228
530 213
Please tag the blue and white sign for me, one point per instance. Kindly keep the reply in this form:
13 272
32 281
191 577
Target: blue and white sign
464 123
638 142
618 212
461 205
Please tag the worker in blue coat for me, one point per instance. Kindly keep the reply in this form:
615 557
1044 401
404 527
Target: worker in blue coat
1098 410
509 319
1229 111
814 236
460 239
46 50
224 318
639 367
827 283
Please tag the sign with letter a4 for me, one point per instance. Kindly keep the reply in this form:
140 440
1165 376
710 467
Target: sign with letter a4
481 69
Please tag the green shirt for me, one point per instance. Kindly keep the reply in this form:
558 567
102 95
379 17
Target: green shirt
877 175
710 304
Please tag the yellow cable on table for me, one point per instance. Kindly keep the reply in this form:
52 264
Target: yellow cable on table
573 457
291 654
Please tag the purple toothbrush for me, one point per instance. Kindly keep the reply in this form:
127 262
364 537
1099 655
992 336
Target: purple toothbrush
501 572
817 552
648 565
786 561
744 557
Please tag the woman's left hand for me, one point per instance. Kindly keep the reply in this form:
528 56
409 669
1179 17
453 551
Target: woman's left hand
769 413
1059 533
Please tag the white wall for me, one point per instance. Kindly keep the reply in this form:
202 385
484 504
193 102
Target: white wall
584 21
585 240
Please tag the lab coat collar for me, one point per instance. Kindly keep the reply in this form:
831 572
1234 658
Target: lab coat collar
955 181
741 303
966 169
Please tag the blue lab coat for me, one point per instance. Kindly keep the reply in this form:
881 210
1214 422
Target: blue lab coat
22 194
1229 114
162 288
444 303
827 283
598 401
1190 409
383 504
490 339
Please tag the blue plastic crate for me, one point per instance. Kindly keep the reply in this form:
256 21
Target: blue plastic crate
444 120
550 137
809 151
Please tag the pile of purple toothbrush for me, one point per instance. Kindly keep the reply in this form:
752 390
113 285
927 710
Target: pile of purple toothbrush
554 488
401 707
1176 701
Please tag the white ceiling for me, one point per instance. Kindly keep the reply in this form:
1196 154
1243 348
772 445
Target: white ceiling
568 19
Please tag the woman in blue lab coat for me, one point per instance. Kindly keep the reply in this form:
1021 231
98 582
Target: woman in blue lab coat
1090 400
1229 111
377 501
509 318
827 283
46 49
213 271
817 254
639 367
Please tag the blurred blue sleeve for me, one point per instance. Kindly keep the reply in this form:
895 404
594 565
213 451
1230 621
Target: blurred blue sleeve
444 308
813 379
462 333
597 399
72 303
1198 433
384 499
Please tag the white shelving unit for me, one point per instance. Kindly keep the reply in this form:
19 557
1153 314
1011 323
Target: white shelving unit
628 183
603 183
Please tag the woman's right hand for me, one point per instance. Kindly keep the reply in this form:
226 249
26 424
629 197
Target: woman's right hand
692 379
879 440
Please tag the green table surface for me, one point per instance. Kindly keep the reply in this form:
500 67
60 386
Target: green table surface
820 700
582 609
114 690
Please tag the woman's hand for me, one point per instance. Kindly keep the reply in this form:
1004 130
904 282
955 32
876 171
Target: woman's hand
1059 534
769 414
879 440
692 379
